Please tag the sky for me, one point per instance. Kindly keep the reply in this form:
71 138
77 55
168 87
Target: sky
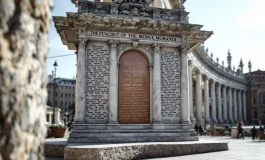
238 25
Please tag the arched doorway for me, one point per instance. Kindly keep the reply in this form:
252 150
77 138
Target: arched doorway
134 89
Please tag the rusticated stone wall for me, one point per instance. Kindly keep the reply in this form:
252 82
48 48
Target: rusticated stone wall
24 27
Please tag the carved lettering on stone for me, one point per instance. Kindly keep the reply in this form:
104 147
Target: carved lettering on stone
97 77
170 82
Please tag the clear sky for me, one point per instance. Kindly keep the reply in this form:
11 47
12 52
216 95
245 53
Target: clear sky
238 25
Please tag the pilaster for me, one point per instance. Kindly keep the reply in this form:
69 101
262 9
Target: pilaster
80 90
157 117
185 109
113 83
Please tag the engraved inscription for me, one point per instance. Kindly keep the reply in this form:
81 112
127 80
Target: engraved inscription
97 76
170 75
134 89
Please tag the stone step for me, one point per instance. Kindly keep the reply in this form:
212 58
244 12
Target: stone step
134 131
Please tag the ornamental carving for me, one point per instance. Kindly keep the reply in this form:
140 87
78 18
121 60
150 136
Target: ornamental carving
156 48
82 43
139 8
184 49
113 44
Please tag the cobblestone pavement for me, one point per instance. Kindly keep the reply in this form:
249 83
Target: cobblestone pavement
239 149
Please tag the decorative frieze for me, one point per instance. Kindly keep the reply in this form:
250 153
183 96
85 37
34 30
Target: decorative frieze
133 8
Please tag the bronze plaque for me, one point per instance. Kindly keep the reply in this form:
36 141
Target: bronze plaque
134 89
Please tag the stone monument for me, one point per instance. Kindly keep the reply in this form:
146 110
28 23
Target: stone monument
132 71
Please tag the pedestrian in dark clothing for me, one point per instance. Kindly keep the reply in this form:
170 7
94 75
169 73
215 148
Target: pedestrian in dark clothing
69 125
254 133
240 129
200 129
196 127
261 129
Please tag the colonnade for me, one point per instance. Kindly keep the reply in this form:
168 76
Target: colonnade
219 104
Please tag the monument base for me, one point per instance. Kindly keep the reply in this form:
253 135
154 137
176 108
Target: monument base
140 150
130 133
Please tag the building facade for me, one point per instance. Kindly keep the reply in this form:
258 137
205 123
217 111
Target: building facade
256 97
144 75
61 94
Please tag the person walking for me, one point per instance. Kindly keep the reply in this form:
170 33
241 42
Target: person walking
240 129
196 128
254 132
213 129
200 129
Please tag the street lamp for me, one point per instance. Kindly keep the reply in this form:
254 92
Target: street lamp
54 82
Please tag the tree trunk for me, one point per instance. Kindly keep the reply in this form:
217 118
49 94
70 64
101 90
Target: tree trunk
24 26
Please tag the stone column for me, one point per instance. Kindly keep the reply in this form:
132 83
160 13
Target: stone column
113 83
80 90
198 98
235 106
213 102
219 100
231 120
157 118
224 106
185 109
244 107
239 105
206 101
193 120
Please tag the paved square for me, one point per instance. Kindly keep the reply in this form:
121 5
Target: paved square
239 149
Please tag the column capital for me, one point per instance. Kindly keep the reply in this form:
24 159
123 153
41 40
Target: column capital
205 77
156 47
198 72
224 86
184 48
218 84
190 62
113 44
213 81
82 42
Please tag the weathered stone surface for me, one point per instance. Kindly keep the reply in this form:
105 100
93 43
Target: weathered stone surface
54 150
24 27
139 150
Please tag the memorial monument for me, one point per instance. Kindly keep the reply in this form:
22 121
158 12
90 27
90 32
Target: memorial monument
132 70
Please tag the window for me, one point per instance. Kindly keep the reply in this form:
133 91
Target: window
65 94
65 103
254 102
255 114
61 103
263 100
73 95
61 94
66 87
56 94
55 103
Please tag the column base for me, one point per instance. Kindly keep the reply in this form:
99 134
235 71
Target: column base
113 122
192 120
185 122
208 121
